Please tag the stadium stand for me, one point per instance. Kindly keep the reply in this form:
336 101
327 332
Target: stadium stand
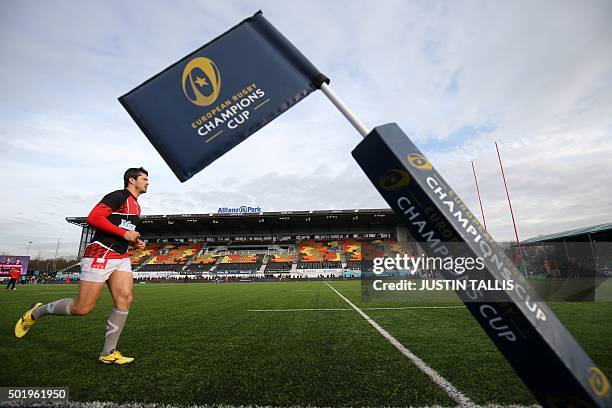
352 249
138 256
300 244
280 263
311 255
201 263
294 243
240 262
383 248
373 249
171 257
319 255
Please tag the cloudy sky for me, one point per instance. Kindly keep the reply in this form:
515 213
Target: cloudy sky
534 76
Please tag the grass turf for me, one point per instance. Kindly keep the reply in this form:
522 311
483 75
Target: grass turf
199 344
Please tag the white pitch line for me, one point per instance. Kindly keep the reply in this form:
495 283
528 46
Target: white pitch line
309 290
414 307
511 406
292 310
366 308
449 388
321 290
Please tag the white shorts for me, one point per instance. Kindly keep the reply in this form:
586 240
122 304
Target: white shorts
99 269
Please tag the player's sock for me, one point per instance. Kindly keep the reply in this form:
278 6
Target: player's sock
58 308
114 326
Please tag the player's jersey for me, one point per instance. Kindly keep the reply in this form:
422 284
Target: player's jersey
117 212
15 273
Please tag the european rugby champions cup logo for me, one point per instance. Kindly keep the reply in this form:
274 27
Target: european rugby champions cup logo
394 179
418 161
201 81
598 382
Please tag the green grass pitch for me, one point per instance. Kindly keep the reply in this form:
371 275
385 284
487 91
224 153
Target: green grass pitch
201 344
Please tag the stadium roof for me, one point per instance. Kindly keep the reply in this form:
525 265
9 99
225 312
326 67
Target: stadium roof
601 232
284 222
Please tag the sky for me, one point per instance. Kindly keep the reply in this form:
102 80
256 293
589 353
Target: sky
456 76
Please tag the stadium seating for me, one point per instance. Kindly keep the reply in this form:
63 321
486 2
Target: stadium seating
201 263
355 253
240 262
313 251
280 263
172 254
382 248
352 254
373 249
282 258
319 255
171 257
400 248
137 256
279 266
352 248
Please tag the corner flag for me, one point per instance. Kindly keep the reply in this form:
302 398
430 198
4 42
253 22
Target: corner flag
202 106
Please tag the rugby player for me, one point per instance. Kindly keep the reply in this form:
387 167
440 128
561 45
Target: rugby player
15 275
115 218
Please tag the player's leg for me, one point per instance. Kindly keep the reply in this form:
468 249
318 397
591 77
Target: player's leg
90 289
120 284
89 293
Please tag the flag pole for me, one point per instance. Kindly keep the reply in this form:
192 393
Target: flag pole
479 200
519 253
501 166
345 110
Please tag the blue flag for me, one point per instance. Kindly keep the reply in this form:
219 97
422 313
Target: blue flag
200 107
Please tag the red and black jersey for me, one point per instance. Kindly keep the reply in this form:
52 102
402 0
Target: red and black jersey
116 213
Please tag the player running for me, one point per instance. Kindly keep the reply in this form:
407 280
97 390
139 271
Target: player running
15 275
105 260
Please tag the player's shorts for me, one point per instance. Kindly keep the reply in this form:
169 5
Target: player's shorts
99 269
